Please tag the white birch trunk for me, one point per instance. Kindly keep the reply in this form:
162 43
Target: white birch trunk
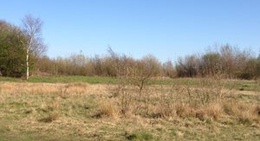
27 56
27 64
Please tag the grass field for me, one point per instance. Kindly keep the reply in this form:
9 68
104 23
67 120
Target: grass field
101 108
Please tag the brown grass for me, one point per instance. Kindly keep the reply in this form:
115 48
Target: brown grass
107 109
50 118
108 112
48 88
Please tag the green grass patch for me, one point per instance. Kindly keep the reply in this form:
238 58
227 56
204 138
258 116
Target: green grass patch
241 85
64 79
73 79
175 81
10 79
140 136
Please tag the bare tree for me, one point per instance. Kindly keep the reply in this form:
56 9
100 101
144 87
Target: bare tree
35 47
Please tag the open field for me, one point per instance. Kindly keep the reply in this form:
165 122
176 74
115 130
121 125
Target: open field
94 108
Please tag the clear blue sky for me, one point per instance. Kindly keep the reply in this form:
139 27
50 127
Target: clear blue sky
164 28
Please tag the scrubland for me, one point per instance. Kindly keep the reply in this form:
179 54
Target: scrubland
168 109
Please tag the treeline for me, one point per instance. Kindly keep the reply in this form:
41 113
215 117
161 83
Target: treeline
111 65
226 62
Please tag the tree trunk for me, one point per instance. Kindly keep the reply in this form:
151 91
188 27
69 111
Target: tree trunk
27 64
27 55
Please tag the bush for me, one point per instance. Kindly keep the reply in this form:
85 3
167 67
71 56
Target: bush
12 51
187 67
245 75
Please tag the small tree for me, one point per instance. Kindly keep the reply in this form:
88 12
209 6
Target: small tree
149 66
35 47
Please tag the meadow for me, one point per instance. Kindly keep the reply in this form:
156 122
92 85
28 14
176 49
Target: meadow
60 108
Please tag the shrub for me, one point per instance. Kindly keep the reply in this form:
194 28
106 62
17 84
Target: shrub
12 51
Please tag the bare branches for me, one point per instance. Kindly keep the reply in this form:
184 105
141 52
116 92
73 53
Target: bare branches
32 26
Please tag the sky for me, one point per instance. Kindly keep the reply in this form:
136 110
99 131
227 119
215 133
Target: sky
167 29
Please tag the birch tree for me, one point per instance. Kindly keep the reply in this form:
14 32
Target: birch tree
35 47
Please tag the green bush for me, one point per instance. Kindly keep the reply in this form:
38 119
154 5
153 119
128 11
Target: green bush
12 51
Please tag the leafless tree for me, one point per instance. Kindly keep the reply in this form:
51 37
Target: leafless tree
35 47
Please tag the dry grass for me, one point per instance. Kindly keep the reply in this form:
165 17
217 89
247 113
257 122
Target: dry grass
80 111
14 88
107 109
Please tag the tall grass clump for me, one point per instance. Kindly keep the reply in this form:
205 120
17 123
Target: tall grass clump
107 109
49 111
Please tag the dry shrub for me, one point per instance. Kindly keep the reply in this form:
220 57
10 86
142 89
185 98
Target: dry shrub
243 112
232 107
125 96
210 111
184 110
107 109
49 107
166 101
164 111
158 111
214 110
52 111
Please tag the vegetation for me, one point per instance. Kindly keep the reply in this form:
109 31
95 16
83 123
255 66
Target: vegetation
20 47
227 62
206 109
12 54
